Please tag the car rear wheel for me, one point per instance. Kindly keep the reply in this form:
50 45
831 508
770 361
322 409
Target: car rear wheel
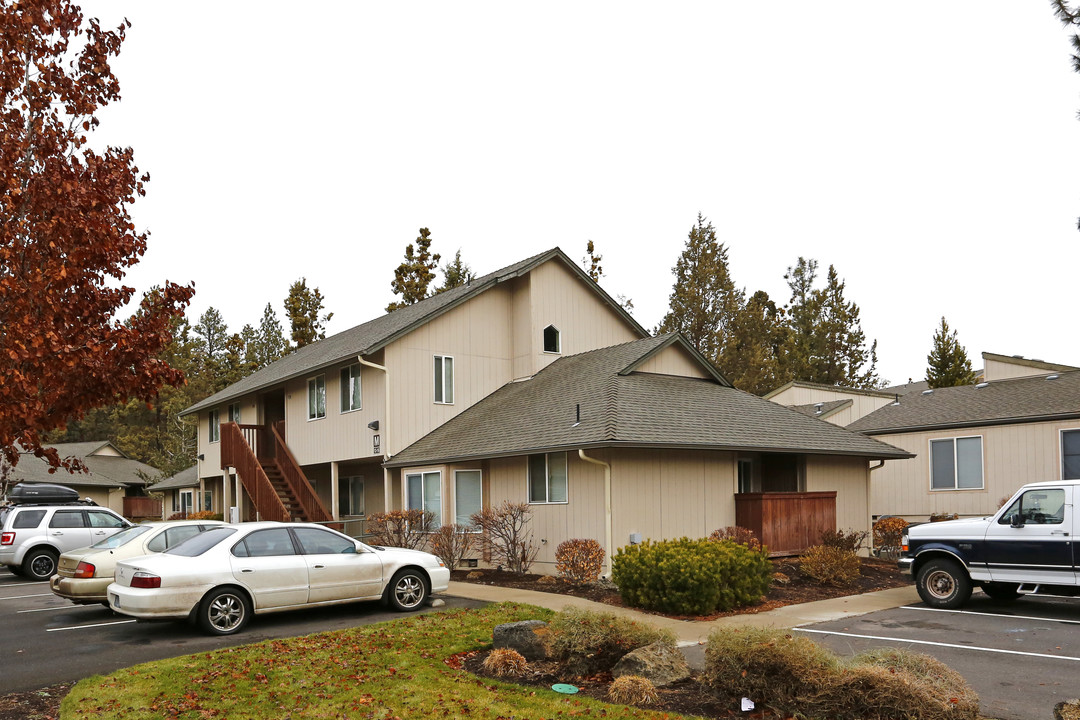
224 611
1001 591
943 584
408 590
40 564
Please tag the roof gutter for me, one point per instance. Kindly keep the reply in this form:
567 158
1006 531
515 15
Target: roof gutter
607 507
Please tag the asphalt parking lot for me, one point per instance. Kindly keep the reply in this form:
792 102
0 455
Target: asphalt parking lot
48 640
1021 657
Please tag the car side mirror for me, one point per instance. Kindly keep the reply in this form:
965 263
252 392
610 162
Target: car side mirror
1017 521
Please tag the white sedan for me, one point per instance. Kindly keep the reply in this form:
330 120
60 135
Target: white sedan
220 577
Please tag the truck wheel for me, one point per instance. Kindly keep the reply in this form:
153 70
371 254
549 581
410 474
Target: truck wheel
1001 591
943 584
40 564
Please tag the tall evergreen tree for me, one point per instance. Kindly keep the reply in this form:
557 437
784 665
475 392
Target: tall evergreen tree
303 307
265 344
751 357
948 364
455 274
591 262
413 276
704 300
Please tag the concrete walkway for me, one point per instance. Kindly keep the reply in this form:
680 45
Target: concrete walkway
692 632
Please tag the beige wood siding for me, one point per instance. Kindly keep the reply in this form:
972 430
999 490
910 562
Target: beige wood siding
107 451
520 328
1013 455
674 360
210 465
998 370
861 405
849 477
338 436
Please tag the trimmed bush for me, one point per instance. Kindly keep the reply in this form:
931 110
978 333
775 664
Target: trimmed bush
690 577
888 534
830 565
852 540
632 690
741 535
504 662
579 561
606 637
942 517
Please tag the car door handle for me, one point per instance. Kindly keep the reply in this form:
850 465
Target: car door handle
1058 532
319 567
247 570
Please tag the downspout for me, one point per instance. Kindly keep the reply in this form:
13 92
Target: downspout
607 508
385 431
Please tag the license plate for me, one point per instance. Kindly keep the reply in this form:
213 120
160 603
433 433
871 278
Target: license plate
116 600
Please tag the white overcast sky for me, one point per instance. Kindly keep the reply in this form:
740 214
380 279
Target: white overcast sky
927 149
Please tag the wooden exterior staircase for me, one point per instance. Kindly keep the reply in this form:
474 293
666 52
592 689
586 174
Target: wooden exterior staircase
277 486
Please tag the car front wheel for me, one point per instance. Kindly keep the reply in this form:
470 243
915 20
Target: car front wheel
408 590
224 611
943 584
40 564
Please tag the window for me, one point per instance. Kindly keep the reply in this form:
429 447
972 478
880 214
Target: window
1070 454
67 519
215 426
547 478
746 476
187 501
316 397
104 519
425 493
1037 507
265 543
172 537
352 499
468 496
234 413
316 541
444 379
551 339
956 464
350 388
208 500
27 519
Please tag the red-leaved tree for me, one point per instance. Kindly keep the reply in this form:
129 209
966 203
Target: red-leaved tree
66 235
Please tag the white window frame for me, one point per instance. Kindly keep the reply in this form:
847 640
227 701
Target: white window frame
190 494
455 491
956 464
213 419
422 473
349 482
438 366
558 340
234 413
313 386
1061 449
547 478
345 379
748 486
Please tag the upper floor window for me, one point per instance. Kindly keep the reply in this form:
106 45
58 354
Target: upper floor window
215 425
316 397
444 379
1070 454
547 478
350 388
956 464
552 343
234 413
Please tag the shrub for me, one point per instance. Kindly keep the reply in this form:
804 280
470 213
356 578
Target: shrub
451 543
601 635
632 690
941 517
579 561
888 534
830 565
505 662
200 515
400 528
851 540
690 577
506 536
795 676
740 535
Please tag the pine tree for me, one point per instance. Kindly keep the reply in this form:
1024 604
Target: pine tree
455 274
414 275
265 344
591 262
704 300
948 364
303 307
751 357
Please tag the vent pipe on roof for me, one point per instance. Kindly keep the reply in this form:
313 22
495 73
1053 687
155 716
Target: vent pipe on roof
1055 376
897 400
981 385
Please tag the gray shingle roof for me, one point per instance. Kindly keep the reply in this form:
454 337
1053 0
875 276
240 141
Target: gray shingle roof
1016 400
634 409
104 470
188 477
375 334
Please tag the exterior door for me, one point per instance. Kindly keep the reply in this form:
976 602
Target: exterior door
337 568
267 563
1033 539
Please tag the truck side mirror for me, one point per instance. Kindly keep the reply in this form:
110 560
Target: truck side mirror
1017 520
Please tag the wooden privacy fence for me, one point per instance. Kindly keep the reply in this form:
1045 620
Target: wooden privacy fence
142 507
787 523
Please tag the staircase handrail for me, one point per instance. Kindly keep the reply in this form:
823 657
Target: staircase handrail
236 453
314 510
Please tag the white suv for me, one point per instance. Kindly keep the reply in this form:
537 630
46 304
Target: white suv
33 536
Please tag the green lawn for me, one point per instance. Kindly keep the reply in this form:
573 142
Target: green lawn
390 670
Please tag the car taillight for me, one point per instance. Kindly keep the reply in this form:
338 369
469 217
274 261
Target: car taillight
85 570
145 580
7 538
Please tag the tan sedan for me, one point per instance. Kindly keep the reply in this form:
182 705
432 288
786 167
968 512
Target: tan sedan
83 574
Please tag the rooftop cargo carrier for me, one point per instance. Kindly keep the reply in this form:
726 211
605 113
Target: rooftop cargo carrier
42 494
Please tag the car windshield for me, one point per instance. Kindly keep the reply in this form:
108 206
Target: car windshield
121 538
198 544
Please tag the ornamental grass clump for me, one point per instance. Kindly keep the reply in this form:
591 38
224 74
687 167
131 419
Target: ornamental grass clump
505 662
632 690
603 636
691 577
830 565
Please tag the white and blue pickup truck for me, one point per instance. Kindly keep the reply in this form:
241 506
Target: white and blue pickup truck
1030 545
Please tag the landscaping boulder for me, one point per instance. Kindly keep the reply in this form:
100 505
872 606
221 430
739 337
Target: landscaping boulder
525 637
660 663
1067 710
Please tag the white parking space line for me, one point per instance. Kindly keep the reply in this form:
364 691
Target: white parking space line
986 614
21 597
938 644
24 583
57 607
84 627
